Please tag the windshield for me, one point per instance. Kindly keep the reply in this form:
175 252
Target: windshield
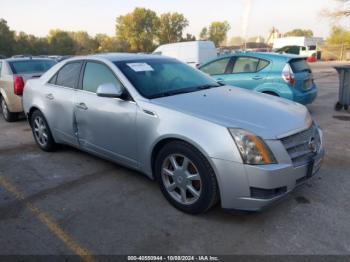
31 66
164 77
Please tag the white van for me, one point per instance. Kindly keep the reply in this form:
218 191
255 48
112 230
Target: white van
193 53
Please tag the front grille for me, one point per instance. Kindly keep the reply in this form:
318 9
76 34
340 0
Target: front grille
302 146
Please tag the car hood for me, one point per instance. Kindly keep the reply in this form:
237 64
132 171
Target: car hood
267 116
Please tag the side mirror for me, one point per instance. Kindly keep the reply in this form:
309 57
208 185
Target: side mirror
109 90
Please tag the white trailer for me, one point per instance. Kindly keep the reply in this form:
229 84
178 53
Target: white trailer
308 45
193 53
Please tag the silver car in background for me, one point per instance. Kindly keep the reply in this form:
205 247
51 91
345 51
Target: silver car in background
203 142
14 72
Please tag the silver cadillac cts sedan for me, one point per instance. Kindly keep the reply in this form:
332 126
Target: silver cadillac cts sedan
203 142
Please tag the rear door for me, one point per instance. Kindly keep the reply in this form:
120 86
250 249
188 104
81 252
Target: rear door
247 72
219 69
105 125
302 74
59 101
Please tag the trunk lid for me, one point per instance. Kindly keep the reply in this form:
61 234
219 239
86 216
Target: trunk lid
302 74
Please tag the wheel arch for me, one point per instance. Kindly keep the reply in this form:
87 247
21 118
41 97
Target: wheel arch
30 113
3 95
166 140
278 89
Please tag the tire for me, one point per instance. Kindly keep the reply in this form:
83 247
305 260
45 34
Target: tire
8 116
346 107
41 132
338 106
197 179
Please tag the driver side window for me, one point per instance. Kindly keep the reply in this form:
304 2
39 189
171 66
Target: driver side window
97 74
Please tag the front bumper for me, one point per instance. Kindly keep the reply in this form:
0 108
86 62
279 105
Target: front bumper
252 188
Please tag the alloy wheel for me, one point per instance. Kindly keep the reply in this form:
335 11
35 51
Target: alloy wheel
181 179
4 108
40 131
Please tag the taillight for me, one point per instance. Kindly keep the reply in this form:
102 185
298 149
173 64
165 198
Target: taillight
288 75
18 85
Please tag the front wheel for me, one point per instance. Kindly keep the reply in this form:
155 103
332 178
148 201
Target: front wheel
8 116
41 132
186 178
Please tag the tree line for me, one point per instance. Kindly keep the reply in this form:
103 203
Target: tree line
141 30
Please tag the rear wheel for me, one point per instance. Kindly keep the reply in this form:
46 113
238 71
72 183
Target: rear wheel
186 178
41 132
8 116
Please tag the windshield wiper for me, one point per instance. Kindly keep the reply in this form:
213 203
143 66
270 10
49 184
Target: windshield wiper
184 91
208 86
174 92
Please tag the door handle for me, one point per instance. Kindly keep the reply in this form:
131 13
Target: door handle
81 106
257 77
50 96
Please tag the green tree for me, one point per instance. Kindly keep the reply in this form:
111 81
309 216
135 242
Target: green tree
188 38
300 32
60 43
107 44
22 44
218 32
29 44
6 39
171 27
83 43
139 29
339 36
204 34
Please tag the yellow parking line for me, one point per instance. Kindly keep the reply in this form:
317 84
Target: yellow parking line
47 221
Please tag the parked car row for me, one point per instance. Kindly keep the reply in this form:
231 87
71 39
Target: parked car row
202 140
283 75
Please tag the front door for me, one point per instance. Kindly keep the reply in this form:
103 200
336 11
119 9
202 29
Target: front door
106 126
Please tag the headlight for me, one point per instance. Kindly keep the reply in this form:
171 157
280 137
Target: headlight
253 149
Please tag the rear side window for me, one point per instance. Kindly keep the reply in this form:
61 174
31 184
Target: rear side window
31 66
262 64
217 67
245 65
299 65
249 65
68 76
97 74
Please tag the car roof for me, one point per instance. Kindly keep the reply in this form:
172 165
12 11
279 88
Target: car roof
115 57
266 55
12 59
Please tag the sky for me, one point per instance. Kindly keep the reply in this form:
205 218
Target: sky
98 16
